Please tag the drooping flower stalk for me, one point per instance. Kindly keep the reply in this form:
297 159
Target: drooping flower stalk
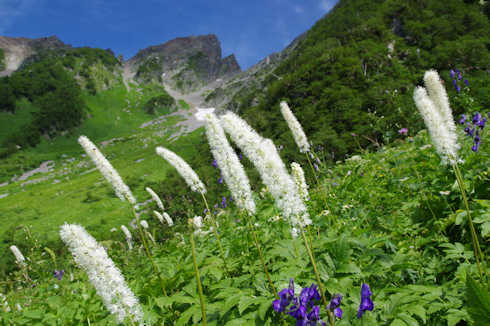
129 238
183 168
434 108
103 165
296 129
102 273
195 184
272 170
155 197
163 216
229 164
20 260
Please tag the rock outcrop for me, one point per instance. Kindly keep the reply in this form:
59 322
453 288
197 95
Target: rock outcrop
185 63
19 49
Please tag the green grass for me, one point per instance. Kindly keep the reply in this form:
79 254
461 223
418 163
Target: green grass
388 225
183 104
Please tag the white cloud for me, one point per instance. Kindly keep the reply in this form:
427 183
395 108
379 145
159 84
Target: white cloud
326 5
10 10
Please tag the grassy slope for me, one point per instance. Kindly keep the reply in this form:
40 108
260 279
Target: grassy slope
72 195
388 225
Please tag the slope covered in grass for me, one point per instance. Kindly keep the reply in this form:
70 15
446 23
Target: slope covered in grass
393 219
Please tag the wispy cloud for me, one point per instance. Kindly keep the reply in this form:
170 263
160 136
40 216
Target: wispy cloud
10 10
326 5
298 9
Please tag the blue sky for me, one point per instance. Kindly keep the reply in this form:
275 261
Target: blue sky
251 29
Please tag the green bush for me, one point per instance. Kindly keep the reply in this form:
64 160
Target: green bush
159 103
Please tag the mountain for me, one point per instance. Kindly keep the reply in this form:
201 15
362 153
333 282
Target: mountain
185 63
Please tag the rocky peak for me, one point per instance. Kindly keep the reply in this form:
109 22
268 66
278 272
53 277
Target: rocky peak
18 49
185 62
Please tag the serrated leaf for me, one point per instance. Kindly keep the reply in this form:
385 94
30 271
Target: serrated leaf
478 302
236 322
409 320
186 315
245 302
231 302
418 311
348 269
264 307
397 322
454 316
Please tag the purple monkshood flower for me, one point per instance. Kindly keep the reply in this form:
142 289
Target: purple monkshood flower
223 202
366 302
230 199
58 274
451 73
476 118
240 156
460 76
205 211
285 297
466 82
215 164
220 180
334 305
477 142
215 205
482 123
462 120
403 131
456 86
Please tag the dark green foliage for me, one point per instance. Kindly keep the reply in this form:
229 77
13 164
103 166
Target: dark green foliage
52 90
342 78
478 298
159 102
149 69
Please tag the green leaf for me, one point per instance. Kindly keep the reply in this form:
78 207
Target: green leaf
33 314
348 269
236 322
454 316
186 315
246 302
410 321
264 307
478 302
418 311
397 322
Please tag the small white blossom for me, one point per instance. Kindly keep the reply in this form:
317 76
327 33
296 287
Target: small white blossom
183 168
296 129
103 165
299 179
294 233
102 273
168 219
129 238
144 224
155 197
19 258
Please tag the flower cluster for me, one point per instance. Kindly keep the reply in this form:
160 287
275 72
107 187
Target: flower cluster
155 197
300 306
471 129
19 258
229 164
456 75
271 168
58 274
299 180
296 129
103 165
433 104
183 168
102 272
366 302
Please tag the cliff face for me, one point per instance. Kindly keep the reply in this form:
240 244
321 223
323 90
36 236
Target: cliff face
185 63
18 49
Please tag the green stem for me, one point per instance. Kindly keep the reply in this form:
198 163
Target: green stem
312 168
198 278
155 267
252 229
216 234
312 258
476 246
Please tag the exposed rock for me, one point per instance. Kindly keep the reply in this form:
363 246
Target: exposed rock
19 49
185 63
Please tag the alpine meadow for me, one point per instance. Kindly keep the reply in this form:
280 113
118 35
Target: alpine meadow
342 181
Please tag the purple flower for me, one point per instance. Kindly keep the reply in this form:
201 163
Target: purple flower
460 76
477 142
215 164
482 123
223 202
205 211
366 302
403 131
285 297
456 86
230 199
462 120
476 118
220 180
240 156
466 82
58 274
451 73
334 305
215 206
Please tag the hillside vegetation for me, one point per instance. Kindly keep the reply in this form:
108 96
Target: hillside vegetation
356 69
